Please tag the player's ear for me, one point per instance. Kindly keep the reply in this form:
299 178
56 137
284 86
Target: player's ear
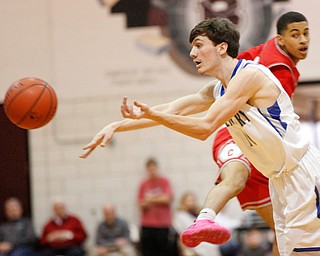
223 48
280 40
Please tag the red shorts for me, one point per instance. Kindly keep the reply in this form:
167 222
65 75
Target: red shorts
256 192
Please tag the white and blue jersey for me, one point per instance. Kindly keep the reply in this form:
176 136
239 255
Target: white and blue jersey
271 138
272 134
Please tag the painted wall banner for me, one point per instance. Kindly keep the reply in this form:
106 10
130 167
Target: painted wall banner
255 19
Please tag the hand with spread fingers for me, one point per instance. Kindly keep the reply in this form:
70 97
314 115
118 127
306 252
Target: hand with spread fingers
102 138
136 111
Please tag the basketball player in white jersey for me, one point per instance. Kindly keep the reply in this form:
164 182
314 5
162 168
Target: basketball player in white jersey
260 117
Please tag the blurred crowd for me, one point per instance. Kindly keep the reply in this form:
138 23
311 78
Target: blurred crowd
160 226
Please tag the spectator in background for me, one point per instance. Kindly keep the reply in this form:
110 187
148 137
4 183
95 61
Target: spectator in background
17 236
63 234
254 244
113 235
255 236
154 199
187 212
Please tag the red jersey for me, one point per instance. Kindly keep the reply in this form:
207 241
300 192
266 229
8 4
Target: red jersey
158 215
70 223
280 64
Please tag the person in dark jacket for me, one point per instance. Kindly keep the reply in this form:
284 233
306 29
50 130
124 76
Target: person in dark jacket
113 235
17 236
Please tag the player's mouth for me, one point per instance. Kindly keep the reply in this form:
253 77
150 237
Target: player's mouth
303 50
197 63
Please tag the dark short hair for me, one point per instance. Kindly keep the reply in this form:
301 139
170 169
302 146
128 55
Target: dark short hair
218 30
288 18
151 161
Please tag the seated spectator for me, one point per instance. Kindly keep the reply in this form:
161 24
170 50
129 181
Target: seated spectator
113 236
17 236
63 234
254 244
255 235
187 212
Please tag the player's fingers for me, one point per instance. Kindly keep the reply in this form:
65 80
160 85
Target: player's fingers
124 104
124 100
99 139
140 105
105 141
90 145
137 103
143 108
124 112
95 141
86 154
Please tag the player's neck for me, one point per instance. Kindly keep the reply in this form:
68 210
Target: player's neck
227 68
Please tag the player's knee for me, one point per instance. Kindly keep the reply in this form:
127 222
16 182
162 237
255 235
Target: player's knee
239 185
235 185
235 178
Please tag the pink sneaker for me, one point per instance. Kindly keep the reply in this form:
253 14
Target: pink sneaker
205 231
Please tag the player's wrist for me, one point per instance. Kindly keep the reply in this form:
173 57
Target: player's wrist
115 126
154 115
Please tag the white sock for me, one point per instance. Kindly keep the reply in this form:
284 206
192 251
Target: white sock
207 213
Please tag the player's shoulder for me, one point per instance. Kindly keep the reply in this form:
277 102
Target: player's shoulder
247 67
209 87
250 72
252 66
212 83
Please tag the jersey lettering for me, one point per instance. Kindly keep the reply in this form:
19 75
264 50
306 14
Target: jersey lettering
230 152
240 118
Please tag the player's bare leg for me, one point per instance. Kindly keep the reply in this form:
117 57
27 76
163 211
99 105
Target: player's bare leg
234 177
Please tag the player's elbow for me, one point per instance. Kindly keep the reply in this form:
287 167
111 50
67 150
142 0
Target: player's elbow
204 136
206 132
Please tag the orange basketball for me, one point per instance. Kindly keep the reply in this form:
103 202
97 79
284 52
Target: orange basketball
30 103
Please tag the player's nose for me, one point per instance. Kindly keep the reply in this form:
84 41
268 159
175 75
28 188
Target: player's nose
304 39
193 53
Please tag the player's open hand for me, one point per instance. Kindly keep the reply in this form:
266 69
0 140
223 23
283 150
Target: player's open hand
101 139
137 111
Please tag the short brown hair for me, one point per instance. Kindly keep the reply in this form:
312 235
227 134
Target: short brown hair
218 30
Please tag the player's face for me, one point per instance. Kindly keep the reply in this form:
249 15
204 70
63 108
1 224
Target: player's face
295 40
204 54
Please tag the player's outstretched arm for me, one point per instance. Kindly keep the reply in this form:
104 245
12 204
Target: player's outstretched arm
104 136
240 90
187 105
196 127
